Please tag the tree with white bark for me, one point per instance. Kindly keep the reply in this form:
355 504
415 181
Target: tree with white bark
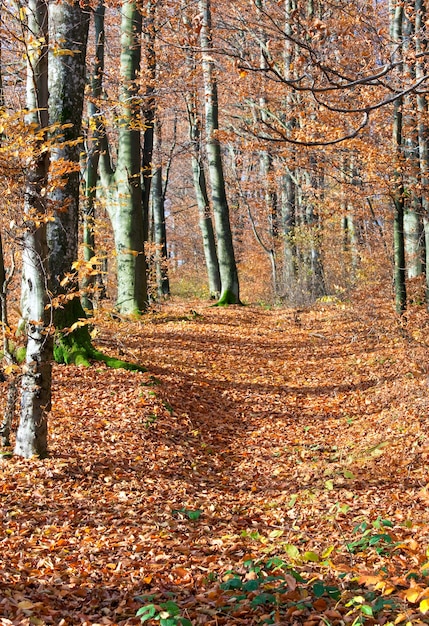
31 437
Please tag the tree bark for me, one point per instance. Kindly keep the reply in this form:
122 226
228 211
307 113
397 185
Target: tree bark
148 111
91 279
422 127
69 24
230 291
288 183
288 217
266 168
413 238
413 223
199 178
3 308
206 226
123 185
158 210
31 438
397 11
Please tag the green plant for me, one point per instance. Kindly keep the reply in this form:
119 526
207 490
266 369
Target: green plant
166 613
381 542
191 514
263 589
168 407
368 606
150 420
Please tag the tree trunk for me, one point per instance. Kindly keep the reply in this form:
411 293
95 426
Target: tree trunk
350 240
69 24
199 179
398 192
399 252
91 279
3 307
148 111
69 31
158 210
288 217
310 258
123 185
288 183
266 170
422 127
31 438
206 227
413 224
230 293
413 237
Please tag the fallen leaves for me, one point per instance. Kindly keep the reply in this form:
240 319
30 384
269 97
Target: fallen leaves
251 439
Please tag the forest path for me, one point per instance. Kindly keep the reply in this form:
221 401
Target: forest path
290 414
254 433
265 390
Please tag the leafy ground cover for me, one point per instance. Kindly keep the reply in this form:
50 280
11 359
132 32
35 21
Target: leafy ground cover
271 466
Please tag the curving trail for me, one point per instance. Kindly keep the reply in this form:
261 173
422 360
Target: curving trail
275 428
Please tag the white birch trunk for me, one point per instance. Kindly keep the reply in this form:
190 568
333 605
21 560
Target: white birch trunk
31 438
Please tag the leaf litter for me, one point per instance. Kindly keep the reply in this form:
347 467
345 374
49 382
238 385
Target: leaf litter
269 467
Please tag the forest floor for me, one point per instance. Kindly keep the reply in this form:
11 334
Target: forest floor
270 467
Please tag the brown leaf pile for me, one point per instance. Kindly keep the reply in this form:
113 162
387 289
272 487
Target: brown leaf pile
281 430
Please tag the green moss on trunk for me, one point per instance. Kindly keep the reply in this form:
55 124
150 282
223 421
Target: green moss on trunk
74 346
227 297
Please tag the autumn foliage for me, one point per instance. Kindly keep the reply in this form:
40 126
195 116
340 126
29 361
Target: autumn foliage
263 464
269 467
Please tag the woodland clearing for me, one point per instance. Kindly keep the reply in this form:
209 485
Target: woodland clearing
270 467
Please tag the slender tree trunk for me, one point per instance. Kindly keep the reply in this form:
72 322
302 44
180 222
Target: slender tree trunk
413 224
313 258
93 155
3 303
200 181
8 357
230 293
270 201
398 193
288 183
288 218
423 127
31 438
399 246
413 238
158 210
350 245
148 110
206 225
123 185
266 169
